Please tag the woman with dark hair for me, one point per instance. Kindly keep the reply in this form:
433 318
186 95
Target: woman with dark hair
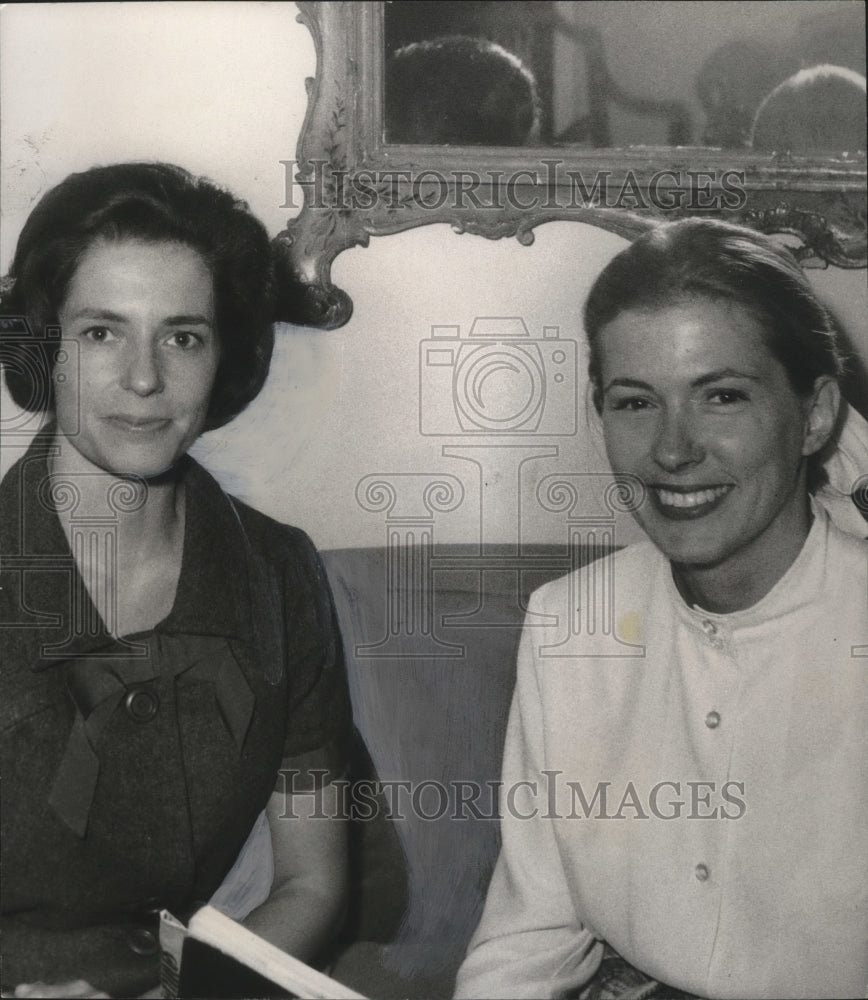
459 90
172 691
690 807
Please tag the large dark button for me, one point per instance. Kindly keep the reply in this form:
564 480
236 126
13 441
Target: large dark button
141 705
142 941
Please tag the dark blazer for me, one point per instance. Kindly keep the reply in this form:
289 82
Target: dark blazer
133 769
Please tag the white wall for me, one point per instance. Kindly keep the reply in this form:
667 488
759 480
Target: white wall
219 89
216 87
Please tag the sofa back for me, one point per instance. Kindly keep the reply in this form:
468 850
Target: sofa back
430 637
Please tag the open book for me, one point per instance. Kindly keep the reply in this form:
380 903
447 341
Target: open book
214 956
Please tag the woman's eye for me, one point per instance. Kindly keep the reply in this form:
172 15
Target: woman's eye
185 340
727 396
97 334
632 404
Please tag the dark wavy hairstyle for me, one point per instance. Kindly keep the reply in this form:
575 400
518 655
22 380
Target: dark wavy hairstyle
703 258
460 90
152 202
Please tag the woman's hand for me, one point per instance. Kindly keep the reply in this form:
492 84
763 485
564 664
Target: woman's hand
76 988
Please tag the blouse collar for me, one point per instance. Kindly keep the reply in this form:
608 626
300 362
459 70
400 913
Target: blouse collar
213 592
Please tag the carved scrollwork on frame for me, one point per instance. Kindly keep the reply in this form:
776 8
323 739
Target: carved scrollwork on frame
356 185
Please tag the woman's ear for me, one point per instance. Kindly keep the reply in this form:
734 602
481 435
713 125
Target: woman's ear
822 414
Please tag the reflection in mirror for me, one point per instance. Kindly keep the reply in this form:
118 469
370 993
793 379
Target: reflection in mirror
591 73
495 118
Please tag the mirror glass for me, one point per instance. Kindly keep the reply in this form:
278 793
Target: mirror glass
784 75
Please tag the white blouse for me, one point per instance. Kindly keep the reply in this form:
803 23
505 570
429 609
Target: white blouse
692 789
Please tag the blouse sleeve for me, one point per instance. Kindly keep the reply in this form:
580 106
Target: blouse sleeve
530 942
319 719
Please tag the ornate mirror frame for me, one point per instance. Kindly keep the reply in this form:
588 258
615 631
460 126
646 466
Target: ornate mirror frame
356 186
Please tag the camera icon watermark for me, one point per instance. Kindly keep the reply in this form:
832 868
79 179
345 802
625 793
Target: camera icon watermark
498 380
32 364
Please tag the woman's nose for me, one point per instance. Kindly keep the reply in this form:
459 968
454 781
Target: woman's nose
676 444
142 373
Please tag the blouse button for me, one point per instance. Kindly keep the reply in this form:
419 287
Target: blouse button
712 720
141 941
709 628
702 872
141 705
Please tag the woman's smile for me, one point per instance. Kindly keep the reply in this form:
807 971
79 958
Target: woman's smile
683 503
138 425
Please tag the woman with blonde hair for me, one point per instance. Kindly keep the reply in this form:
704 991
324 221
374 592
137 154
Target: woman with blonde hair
690 817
